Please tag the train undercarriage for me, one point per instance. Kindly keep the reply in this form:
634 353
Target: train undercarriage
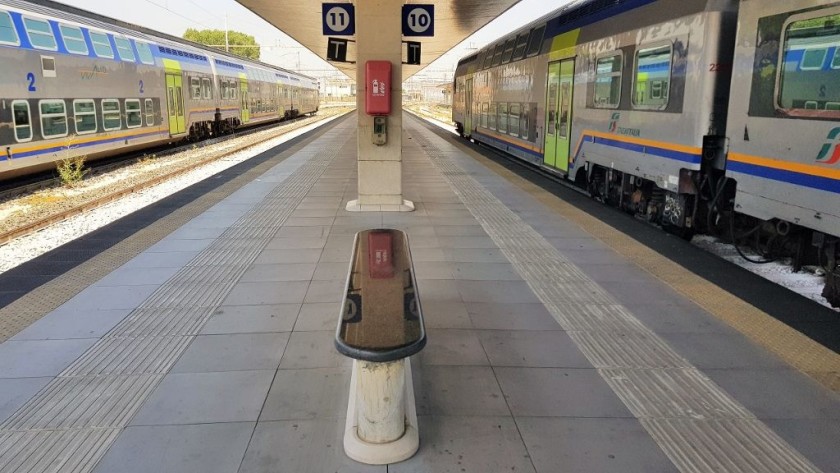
704 204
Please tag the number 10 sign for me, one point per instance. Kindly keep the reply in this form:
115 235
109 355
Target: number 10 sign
418 20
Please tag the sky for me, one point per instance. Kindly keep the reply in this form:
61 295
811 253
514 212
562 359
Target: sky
175 16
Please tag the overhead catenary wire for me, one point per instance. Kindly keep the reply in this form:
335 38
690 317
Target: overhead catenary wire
177 14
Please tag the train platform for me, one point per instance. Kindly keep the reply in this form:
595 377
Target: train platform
201 338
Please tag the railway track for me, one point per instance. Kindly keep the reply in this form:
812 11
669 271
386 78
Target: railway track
26 186
67 211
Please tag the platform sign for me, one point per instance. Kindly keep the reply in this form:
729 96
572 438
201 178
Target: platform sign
414 54
339 19
418 20
336 49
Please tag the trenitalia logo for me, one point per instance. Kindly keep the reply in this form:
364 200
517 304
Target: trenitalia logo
614 122
830 153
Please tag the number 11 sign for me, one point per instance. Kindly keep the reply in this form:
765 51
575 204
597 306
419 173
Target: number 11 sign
339 19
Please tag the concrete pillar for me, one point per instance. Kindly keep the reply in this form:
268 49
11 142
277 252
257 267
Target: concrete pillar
381 424
381 401
379 37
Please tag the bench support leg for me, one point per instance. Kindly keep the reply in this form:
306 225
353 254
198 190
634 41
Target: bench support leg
381 423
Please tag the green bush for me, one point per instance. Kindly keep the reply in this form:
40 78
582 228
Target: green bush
71 171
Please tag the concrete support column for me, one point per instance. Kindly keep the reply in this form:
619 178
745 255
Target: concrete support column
379 37
381 401
381 425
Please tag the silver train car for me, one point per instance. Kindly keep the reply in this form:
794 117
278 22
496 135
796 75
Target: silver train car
714 116
74 83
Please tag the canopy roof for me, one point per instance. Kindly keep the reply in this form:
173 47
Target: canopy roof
454 21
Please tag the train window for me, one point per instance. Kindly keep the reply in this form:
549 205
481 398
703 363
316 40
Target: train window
23 121
124 49
111 115
508 51
101 45
483 120
513 118
503 118
40 34
53 118
488 59
813 59
491 117
234 90
535 41
652 77
73 39
521 45
497 54
808 82
657 90
8 35
145 53
133 115
179 101
150 112
206 89
170 100
84 113
608 81
523 123
195 88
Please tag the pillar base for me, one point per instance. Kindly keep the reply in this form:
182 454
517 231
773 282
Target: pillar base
355 206
382 453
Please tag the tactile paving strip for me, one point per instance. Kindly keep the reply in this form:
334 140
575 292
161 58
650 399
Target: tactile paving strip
673 400
806 355
70 423
23 312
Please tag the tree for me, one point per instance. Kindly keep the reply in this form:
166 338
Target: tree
240 44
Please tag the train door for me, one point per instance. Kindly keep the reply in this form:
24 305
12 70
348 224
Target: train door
175 102
468 108
244 110
558 120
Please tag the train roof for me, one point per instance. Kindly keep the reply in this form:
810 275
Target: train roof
575 14
61 11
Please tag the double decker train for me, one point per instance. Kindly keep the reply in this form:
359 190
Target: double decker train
712 116
74 83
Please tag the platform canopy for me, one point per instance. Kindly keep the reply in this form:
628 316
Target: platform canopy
454 21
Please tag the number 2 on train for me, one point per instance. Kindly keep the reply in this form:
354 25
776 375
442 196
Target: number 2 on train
31 78
141 88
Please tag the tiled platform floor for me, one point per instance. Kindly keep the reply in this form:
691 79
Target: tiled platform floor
252 383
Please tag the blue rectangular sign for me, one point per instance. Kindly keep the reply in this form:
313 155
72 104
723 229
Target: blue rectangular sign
339 19
418 20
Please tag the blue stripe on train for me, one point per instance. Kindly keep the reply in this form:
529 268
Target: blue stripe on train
650 150
814 182
660 152
795 56
56 149
501 144
556 26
